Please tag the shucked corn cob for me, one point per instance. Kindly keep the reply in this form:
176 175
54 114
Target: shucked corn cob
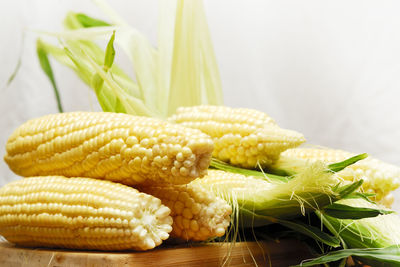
379 178
117 147
197 213
81 213
242 136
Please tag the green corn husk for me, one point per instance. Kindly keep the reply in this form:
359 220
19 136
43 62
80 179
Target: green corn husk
118 92
163 74
377 232
364 238
376 257
259 202
380 178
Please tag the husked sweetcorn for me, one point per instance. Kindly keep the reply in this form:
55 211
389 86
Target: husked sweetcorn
81 213
118 147
198 213
379 178
242 137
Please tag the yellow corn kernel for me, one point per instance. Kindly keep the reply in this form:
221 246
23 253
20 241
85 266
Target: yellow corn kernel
197 213
118 147
81 213
242 137
379 177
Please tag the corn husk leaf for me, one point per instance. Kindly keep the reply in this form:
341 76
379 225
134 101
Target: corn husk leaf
194 74
260 202
365 196
376 232
46 67
220 165
341 211
311 231
182 71
287 204
87 21
388 257
337 167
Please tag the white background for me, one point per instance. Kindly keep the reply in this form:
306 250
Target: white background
329 69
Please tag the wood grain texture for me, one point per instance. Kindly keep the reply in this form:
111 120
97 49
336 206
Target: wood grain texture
282 254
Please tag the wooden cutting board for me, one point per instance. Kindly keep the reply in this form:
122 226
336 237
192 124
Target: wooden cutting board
279 254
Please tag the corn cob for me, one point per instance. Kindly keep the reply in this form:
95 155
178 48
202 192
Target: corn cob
81 213
379 178
197 213
117 147
242 137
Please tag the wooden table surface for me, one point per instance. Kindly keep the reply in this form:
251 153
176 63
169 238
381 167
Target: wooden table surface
279 254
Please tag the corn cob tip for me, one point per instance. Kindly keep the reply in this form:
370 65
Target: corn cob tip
242 137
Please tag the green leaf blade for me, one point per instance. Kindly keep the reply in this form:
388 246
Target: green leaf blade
220 165
364 196
110 53
347 190
46 67
388 257
87 21
342 211
312 232
336 167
